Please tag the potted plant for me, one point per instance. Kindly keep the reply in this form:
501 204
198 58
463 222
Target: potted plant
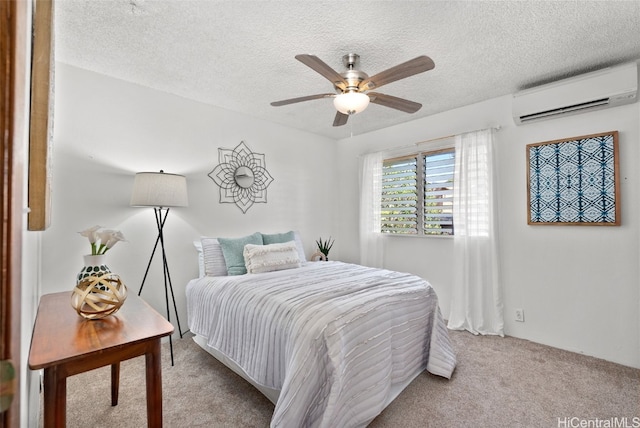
325 246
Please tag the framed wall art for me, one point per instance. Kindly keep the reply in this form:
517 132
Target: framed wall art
574 181
242 177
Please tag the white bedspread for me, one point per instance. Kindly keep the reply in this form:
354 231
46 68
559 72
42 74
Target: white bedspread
335 338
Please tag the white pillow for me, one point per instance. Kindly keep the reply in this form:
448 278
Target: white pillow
198 245
272 257
213 258
298 241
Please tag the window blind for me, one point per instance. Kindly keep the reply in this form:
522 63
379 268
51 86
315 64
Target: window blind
399 200
438 192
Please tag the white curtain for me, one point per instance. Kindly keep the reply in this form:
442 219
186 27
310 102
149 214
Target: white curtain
370 193
476 303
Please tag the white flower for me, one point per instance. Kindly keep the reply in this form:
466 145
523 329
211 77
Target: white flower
92 234
109 238
101 241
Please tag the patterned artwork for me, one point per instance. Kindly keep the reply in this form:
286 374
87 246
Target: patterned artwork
574 181
242 177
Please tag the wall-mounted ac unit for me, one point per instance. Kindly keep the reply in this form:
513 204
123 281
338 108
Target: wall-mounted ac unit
600 89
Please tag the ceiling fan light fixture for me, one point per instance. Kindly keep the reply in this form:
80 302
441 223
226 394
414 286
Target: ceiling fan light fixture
351 102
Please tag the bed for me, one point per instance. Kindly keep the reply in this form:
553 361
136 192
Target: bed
331 344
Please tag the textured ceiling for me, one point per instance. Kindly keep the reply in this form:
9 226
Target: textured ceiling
239 55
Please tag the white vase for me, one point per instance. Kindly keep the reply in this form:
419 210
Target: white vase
93 266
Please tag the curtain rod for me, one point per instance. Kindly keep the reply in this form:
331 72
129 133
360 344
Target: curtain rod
495 128
432 140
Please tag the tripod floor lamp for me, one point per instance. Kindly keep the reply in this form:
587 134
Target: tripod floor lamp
161 191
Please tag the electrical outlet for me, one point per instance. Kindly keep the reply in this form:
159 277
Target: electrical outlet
520 315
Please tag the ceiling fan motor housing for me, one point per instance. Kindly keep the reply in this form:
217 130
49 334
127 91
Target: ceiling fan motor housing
352 76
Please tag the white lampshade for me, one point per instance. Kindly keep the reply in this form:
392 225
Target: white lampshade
351 102
158 189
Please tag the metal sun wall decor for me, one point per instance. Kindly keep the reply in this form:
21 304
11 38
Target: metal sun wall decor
242 177
574 181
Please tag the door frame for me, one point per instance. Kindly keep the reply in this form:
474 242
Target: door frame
14 22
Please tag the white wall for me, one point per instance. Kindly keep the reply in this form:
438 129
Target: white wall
578 285
106 130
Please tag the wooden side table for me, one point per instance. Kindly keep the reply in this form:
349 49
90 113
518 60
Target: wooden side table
65 344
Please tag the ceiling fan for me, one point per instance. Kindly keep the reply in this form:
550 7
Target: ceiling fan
352 86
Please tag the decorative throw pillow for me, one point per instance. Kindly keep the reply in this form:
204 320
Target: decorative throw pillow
272 257
212 257
278 238
232 250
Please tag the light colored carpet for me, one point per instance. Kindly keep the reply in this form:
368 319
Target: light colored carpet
499 382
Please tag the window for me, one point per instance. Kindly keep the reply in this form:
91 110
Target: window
417 194
399 201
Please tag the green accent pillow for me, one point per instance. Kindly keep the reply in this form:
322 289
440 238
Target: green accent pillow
278 238
232 250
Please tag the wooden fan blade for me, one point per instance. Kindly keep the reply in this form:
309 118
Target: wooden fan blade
340 119
301 99
406 69
394 102
319 66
